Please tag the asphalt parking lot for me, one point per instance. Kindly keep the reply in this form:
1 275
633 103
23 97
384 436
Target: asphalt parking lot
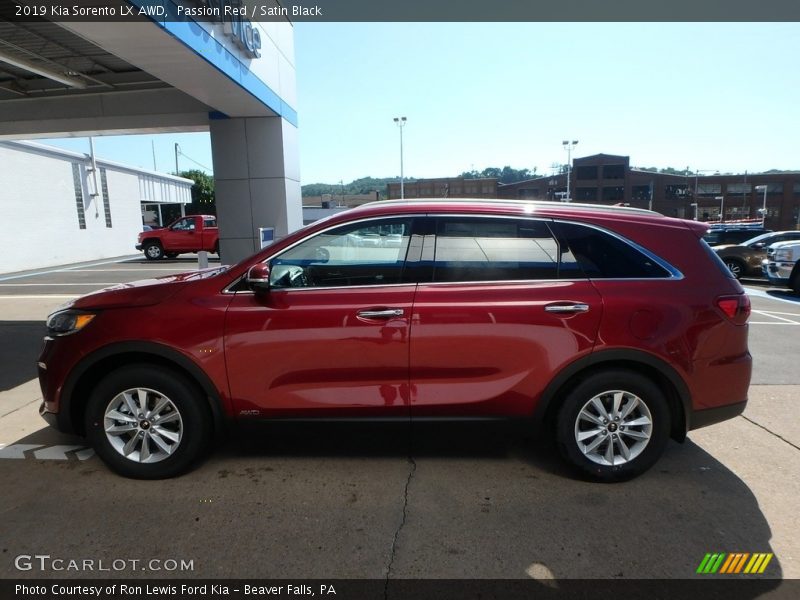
378 501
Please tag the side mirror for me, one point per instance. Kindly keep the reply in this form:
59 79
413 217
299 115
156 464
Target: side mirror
258 278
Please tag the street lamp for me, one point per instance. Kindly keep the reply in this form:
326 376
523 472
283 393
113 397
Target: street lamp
568 146
764 204
721 207
401 122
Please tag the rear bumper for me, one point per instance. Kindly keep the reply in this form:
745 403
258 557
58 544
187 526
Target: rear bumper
709 416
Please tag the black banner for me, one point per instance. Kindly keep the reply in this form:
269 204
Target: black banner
402 11
713 588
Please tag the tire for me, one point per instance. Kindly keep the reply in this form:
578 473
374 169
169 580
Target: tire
608 387
171 447
153 251
216 249
735 266
795 283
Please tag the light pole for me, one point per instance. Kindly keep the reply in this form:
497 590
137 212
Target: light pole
764 204
401 122
568 146
721 207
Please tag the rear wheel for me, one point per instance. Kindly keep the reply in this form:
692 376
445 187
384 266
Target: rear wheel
613 425
735 266
153 251
147 422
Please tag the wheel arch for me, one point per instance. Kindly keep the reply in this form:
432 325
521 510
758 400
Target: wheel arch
664 375
92 368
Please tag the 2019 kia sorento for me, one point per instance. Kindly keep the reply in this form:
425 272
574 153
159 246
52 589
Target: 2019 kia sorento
614 328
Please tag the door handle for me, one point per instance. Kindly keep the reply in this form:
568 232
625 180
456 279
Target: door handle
575 307
381 314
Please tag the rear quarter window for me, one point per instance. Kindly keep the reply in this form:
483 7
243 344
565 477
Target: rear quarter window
602 255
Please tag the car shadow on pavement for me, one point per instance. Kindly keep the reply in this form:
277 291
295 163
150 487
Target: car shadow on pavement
22 341
784 295
461 501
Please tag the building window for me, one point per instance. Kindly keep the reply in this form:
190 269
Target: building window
740 188
585 172
640 192
774 188
78 186
106 200
707 189
586 194
527 193
614 194
675 192
614 172
796 188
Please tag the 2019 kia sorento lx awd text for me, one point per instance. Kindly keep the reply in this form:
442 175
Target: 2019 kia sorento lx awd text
614 328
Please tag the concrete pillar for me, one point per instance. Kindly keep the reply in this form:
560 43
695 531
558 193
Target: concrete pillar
256 181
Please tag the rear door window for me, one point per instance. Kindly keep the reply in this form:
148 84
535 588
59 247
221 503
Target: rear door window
496 249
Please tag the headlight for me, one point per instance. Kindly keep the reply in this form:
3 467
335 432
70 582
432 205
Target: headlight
66 322
783 254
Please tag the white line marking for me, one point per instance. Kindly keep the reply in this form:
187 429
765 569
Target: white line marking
125 270
85 454
61 270
770 323
40 296
56 284
775 312
17 451
767 314
55 452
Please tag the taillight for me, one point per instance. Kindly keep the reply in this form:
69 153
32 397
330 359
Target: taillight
736 308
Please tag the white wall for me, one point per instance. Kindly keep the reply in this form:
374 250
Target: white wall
40 215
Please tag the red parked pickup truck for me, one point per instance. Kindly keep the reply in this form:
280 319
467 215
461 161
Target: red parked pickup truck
187 234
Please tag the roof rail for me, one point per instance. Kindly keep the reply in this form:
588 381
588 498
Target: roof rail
576 206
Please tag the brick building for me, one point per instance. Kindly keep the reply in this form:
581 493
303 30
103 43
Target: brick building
609 179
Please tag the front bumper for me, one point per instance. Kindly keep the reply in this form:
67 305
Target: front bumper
138 246
778 273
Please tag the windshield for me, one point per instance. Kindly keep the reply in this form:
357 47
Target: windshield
758 238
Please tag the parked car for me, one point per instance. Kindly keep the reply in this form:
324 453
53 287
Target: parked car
186 234
732 234
782 267
744 260
613 328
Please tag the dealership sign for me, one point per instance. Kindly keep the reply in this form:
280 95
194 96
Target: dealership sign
233 17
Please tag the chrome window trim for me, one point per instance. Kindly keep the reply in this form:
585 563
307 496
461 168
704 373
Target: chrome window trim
674 274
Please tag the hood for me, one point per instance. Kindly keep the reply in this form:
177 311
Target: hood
783 244
144 292
724 246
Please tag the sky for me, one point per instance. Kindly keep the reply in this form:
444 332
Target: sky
708 96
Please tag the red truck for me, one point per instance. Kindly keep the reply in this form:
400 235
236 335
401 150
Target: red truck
187 234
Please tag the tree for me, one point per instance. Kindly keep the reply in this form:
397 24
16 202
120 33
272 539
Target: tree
203 198
504 175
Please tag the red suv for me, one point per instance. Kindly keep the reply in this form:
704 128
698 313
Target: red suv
614 328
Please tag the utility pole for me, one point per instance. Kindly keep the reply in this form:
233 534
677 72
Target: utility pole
568 146
401 122
177 151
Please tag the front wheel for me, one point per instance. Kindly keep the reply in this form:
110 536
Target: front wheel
613 425
153 251
147 422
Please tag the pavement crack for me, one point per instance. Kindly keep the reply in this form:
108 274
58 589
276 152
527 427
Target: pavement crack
411 472
777 435
11 412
